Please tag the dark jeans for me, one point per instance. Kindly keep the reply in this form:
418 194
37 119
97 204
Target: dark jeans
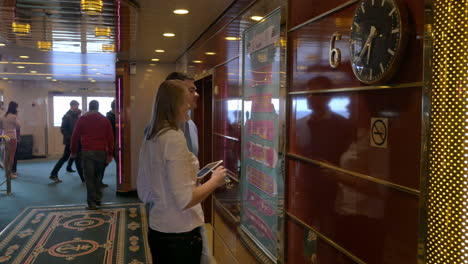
177 248
93 168
64 158
61 161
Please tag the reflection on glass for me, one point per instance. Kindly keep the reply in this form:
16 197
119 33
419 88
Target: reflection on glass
301 107
340 106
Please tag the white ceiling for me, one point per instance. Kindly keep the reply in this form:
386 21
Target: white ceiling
77 54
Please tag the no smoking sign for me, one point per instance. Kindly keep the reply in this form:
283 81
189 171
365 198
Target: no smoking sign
379 132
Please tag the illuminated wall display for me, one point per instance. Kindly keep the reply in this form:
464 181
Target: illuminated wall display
447 218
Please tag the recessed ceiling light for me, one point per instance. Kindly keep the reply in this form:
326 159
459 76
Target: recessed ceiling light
152 64
48 77
155 59
20 67
197 61
210 53
181 11
24 57
6 79
98 73
33 71
54 80
149 70
2 44
159 51
94 69
256 18
232 38
93 81
169 35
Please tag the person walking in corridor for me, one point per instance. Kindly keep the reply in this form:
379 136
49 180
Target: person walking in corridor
10 126
68 124
94 132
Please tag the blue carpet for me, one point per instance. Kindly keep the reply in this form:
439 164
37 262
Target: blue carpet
34 188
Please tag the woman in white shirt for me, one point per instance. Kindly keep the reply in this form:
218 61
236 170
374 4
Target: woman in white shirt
167 180
10 126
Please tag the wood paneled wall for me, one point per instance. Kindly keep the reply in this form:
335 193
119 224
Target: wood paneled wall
362 201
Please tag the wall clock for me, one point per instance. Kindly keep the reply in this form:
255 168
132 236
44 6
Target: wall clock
378 39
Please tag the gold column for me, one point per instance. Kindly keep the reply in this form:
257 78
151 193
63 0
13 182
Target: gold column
447 215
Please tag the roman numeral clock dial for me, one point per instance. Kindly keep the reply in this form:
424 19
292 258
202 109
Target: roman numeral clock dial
378 38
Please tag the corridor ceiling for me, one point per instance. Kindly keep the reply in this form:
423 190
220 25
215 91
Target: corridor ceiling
77 54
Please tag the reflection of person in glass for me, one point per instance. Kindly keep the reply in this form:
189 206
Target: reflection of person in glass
167 180
323 134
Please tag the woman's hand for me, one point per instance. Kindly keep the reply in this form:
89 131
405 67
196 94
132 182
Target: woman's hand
218 176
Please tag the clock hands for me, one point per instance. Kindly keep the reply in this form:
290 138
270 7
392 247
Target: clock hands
367 45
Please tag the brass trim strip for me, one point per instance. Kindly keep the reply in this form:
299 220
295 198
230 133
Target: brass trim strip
357 174
254 248
329 12
361 88
328 240
227 137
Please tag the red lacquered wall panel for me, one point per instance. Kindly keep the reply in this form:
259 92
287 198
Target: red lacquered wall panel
302 10
371 221
227 100
298 242
336 128
309 66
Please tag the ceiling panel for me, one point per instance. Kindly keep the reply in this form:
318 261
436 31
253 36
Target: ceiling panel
77 53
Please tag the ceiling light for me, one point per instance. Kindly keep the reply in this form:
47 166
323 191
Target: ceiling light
24 57
6 79
93 81
48 77
33 71
21 29
169 35
44 45
102 32
197 61
152 65
94 69
256 18
54 80
232 38
155 59
181 11
98 73
2 44
91 7
210 53
159 51
20 67
108 47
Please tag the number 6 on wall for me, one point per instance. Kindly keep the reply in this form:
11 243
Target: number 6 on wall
335 53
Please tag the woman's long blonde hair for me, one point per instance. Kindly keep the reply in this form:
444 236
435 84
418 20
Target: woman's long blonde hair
169 99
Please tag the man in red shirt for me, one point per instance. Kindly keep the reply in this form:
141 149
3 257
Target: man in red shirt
97 144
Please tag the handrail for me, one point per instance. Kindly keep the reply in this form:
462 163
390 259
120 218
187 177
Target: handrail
5 162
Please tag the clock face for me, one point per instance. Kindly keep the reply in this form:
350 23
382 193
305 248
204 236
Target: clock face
378 37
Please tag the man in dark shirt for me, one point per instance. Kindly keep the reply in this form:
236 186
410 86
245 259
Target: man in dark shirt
68 124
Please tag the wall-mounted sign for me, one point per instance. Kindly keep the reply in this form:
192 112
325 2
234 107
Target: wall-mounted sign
379 132
261 181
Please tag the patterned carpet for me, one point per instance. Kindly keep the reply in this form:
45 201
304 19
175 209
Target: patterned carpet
116 233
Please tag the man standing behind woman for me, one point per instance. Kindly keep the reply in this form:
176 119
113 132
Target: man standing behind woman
167 180
10 126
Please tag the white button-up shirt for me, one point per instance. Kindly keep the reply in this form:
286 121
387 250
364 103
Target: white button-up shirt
166 180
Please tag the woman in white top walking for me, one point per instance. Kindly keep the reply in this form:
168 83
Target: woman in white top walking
10 127
167 180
